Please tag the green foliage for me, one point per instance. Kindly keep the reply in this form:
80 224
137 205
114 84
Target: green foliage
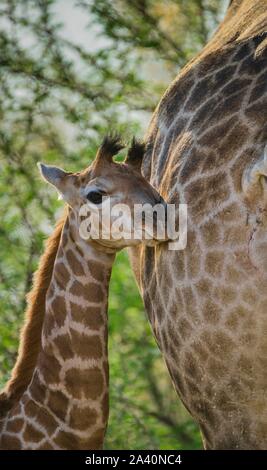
58 96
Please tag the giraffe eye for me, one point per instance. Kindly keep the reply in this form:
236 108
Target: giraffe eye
95 196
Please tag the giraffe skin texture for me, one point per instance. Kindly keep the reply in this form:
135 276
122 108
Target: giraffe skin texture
66 403
207 304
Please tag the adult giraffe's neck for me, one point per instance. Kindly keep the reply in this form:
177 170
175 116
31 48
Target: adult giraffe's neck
71 377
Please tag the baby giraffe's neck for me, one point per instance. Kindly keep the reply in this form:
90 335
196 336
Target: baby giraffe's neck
66 404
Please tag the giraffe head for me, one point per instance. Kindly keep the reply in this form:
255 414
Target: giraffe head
108 198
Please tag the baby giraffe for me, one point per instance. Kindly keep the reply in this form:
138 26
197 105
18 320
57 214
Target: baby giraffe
65 406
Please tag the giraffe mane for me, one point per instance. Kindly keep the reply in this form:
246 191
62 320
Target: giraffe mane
30 337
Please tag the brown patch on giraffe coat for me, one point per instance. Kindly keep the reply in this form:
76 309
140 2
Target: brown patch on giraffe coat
215 368
96 440
66 441
229 214
235 388
49 323
249 296
61 274
79 290
249 340
240 312
226 106
234 276
201 115
191 367
225 294
242 51
10 443
164 341
153 290
218 343
191 167
177 307
15 425
232 236
212 312
194 254
58 404
184 328
46 420
86 345
50 292
245 365
92 317
178 265
252 67
174 95
176 378
232 321
74 264
255 114
217 134
206 194
259 89
223 402
82 418
38 390
235 85
200 350
97 271
64 345
211 158
192 307
201 89
59 309
31 408
214 263
92 291
204 286
50 373
173 338
32 434
86 383
261 428
204 411
211 234
224 75
46 446
192 388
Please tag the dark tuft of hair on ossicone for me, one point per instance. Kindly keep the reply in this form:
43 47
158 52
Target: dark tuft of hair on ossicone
111 145
136 153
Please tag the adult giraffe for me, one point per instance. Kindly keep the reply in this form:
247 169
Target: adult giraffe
208 304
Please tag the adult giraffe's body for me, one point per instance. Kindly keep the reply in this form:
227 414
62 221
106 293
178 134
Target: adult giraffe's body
208 304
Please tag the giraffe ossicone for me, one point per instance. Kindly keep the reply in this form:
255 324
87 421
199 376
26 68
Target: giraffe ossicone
65 405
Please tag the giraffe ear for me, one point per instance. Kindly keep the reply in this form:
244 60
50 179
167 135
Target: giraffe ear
110 146
135 154
53 175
